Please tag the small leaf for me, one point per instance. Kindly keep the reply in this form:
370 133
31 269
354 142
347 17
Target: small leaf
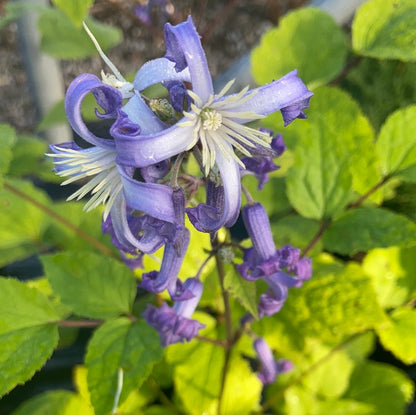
385 387
331 377
396 144
300 35
57 402
119 344
198 377
92 285
362 229
7 140
333 152
242 390
62 40
64 238
22 224
241 290
336 302
398 91
28 157
392 273
385 29
76 10
297 231
335 126
399 336
28 334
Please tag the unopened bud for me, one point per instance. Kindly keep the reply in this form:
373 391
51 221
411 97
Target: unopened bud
226 254
162 108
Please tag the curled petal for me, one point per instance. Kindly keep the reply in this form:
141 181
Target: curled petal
178 94
139 113
183 47
155 172
270 368
171 327
153 148
159 70
125 230
151 198
174 324
108 98
285 93
173 255
187 308
268 305
208 218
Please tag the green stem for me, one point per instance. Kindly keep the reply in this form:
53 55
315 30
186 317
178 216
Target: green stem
228 323
79 323
82 234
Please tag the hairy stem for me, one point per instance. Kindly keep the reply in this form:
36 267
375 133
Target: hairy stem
82 234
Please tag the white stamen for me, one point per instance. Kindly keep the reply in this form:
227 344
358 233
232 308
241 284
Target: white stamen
216 125
98 162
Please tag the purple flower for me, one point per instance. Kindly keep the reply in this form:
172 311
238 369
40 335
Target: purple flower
177 242
280 269
110 183
175 324
270 368
215 121
261 164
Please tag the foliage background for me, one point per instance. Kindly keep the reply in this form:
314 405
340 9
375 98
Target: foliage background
356 312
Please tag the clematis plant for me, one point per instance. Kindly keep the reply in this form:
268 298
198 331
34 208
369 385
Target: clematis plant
136 172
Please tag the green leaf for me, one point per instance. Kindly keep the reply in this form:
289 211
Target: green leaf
343 407
76 10
22 224
333 304
241 290
297 231
92 285
119 344
64 238
57 402
333 151
28 332
301 34
62 40
392 273
384 387
396 144
242 390
28 157
362 229
7 141
197 377
385 29
398 91
273 196
399 336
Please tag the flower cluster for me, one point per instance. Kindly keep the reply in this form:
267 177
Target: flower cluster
135 172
